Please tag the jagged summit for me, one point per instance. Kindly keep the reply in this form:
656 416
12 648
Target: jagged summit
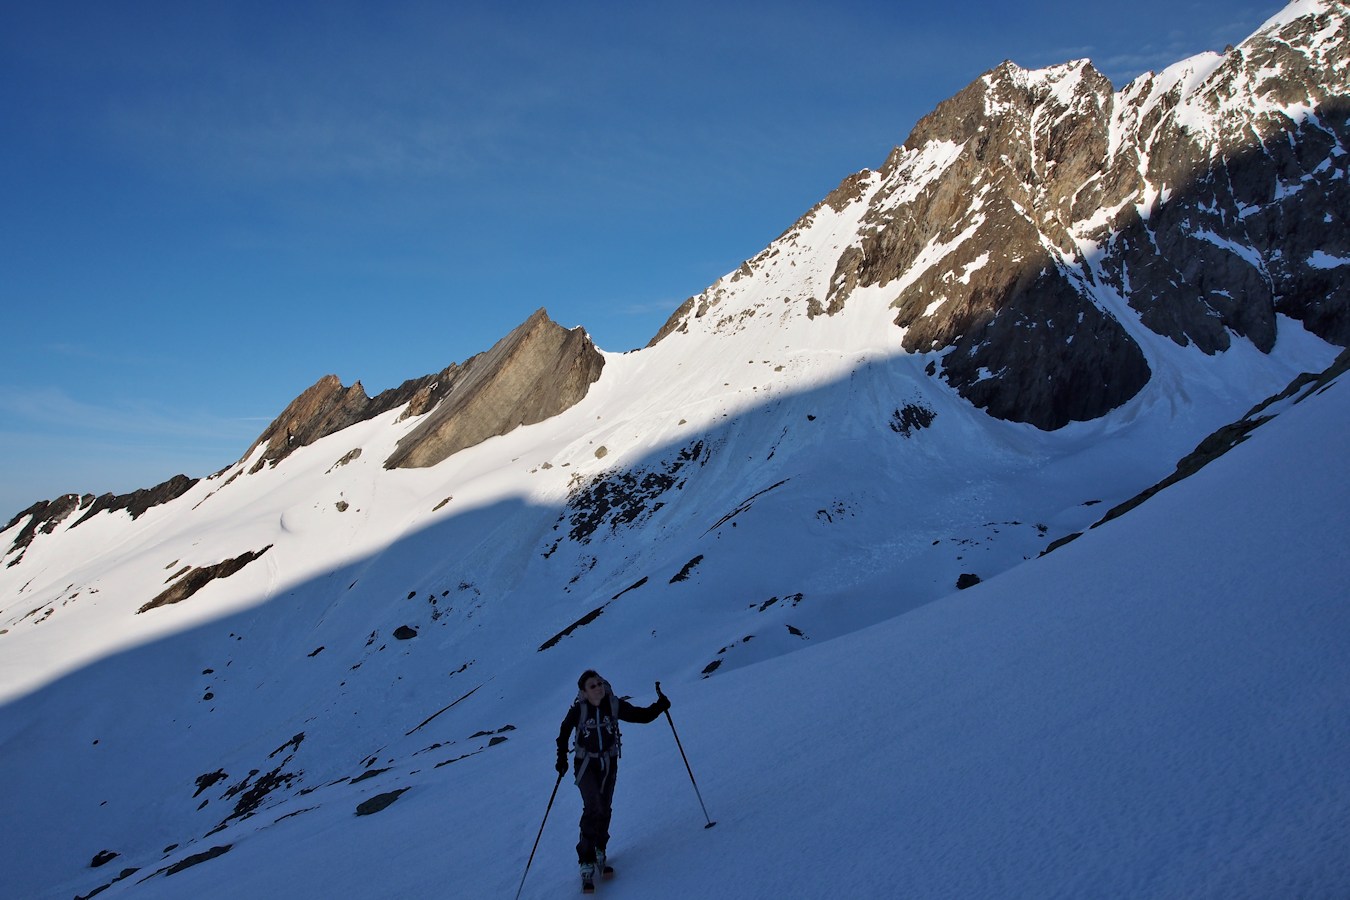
1033 222
328 407
534 373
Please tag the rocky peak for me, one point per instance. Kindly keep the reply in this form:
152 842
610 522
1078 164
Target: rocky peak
321 409
983 258
1242 214
1034 135
1032 221
328 406
534 373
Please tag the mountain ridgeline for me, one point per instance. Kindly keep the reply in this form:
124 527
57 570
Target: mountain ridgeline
1023 234
1027 221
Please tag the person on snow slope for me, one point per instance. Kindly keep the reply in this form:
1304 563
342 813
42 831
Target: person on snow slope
594 719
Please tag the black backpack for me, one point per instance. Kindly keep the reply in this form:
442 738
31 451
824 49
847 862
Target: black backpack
605 754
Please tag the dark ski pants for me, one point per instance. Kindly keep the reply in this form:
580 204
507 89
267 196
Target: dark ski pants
597 798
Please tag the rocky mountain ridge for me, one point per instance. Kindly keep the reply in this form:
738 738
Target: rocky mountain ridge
1030 221
1026 234
538 370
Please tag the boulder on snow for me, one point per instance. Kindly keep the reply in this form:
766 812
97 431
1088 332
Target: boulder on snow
196 579
379 802
102 858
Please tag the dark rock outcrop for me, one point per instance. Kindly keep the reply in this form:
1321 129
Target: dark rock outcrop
196 579
195 859
121 876
538 370
1229 436
102 858
46 515
138 502
379 802
327 407
1224 439
43 518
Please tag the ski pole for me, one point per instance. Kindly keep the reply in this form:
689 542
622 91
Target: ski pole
711 823
539 835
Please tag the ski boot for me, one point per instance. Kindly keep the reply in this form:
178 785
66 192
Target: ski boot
588 878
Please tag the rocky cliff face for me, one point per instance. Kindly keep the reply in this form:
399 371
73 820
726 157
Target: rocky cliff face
532 374
537 371
328 406
1018 333
1243 161
1029 223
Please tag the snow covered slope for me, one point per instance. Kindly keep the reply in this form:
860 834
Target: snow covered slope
1156 709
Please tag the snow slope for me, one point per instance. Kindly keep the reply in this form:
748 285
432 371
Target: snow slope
1156 709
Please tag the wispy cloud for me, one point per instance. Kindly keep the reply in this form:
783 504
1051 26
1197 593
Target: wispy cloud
52 443
413 100
50 408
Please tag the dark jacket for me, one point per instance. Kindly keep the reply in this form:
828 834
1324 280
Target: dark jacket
598 734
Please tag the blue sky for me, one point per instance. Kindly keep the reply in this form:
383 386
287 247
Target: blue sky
206 208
